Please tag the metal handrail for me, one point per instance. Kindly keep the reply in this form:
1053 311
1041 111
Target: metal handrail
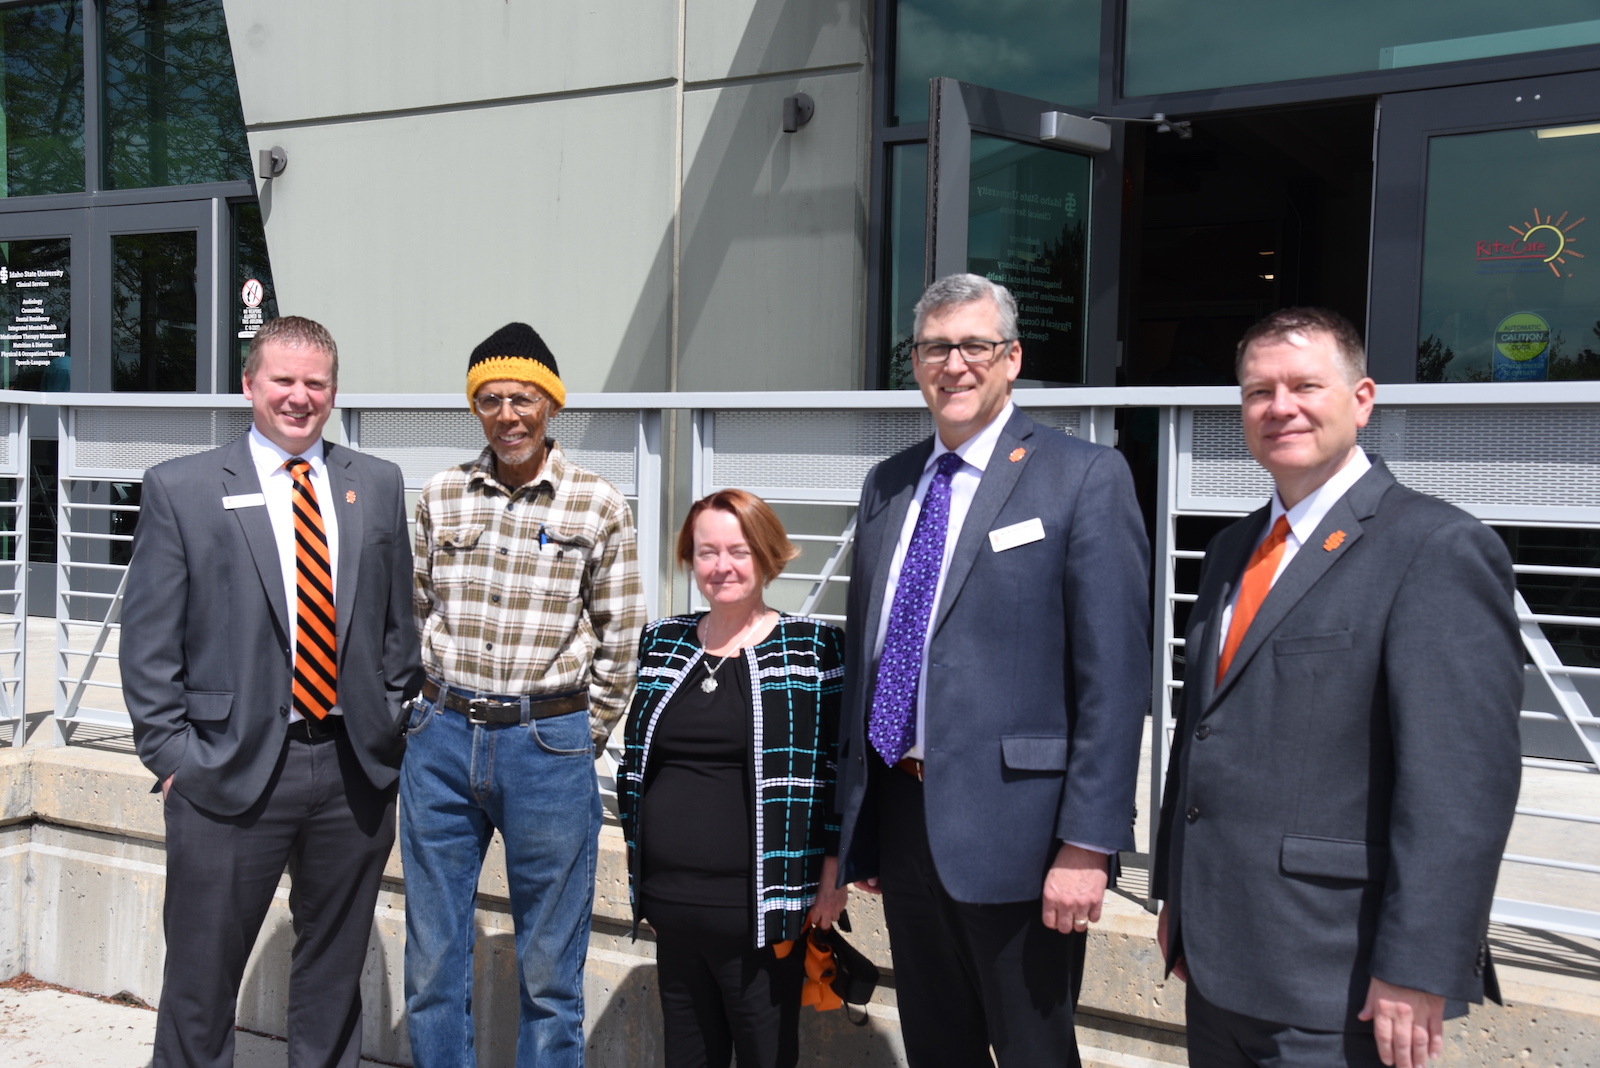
83 527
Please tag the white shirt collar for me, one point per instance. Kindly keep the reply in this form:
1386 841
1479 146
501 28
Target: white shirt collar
1308 514
269 455
977 449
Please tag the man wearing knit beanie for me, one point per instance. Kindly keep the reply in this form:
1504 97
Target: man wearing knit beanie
528 600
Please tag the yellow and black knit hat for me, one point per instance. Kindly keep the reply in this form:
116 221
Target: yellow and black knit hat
515 352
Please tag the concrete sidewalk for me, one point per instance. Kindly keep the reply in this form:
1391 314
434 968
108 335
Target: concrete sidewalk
47 1027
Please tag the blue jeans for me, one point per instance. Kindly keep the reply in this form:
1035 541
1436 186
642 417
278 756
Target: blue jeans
536 785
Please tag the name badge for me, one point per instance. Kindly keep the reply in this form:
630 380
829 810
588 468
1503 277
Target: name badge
1016 534
247 500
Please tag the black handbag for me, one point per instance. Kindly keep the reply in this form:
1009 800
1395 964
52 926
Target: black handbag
854 976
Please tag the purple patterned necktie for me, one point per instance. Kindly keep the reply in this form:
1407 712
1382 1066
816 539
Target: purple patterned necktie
893 724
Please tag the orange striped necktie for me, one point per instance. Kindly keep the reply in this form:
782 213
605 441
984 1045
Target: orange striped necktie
316 670
1253 589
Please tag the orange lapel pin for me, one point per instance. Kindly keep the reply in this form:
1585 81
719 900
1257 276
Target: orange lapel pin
1018 453
350 496
1335 540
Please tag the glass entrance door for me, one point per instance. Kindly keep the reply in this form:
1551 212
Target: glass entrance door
156 334
1032 215
1485 265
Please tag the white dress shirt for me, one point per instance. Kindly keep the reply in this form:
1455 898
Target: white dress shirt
277 486
975 453
1304 519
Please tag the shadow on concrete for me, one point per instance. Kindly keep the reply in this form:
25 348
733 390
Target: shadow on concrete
264 992
627 1033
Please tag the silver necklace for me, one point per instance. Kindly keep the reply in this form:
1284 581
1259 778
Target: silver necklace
709 684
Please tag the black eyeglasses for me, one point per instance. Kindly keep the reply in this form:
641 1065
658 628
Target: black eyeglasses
974 351
521 403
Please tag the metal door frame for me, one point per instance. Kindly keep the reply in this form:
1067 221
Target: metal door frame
957 110
1408 121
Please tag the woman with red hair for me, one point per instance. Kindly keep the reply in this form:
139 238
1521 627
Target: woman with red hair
726 793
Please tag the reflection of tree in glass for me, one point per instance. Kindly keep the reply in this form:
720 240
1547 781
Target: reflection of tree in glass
153 322
1581 366
1058 360
1432 355
172 114
901 374
42 124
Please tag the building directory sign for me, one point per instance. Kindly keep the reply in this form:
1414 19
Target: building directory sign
1027 229
35 310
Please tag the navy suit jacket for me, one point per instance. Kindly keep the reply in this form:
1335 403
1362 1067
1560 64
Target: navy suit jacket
1336 806
1038 669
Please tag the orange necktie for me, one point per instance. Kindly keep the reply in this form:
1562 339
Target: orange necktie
1253 589
316 671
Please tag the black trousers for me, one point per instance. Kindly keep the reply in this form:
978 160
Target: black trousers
969 977
720 996
1219 1038
323 820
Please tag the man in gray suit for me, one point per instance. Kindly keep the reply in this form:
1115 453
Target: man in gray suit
267 648
997 678
1346 757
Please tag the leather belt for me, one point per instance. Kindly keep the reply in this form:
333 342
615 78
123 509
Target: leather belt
314 731
501 710
911 766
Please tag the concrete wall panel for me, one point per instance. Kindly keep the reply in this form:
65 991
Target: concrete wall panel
413 237
774 235
741 38
301 59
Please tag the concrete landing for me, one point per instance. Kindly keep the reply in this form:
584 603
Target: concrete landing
61 1029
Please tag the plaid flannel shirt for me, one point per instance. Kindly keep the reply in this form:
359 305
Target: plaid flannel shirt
533 590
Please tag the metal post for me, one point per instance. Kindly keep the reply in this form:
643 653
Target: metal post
59 733
1165 585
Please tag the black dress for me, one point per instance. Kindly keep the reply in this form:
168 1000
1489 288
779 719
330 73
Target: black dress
719 994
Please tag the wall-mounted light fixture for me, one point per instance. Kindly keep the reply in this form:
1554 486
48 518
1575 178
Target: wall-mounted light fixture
797 111
270 162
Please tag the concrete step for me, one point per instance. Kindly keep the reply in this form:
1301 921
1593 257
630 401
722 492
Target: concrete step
1105 1058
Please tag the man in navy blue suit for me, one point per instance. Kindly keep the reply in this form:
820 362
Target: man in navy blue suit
998 677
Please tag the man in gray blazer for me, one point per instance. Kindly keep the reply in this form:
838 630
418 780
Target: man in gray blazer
997 681
267 648
1346 757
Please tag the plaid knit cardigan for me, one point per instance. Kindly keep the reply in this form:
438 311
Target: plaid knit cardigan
797 679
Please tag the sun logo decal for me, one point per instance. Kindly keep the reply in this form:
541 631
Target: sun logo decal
1551 236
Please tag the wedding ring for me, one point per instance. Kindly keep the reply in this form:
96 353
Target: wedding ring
1080 924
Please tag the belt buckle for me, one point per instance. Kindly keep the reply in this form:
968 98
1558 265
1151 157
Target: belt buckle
476 706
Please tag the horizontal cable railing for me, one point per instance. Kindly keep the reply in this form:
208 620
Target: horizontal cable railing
1522 458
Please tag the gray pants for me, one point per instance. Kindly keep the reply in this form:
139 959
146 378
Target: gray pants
1219 1038
324 821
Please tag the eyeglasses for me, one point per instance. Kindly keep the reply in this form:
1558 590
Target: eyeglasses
974 351
521 403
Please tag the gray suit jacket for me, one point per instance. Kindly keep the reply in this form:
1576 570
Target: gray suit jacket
1336 808
1038 672
205 651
